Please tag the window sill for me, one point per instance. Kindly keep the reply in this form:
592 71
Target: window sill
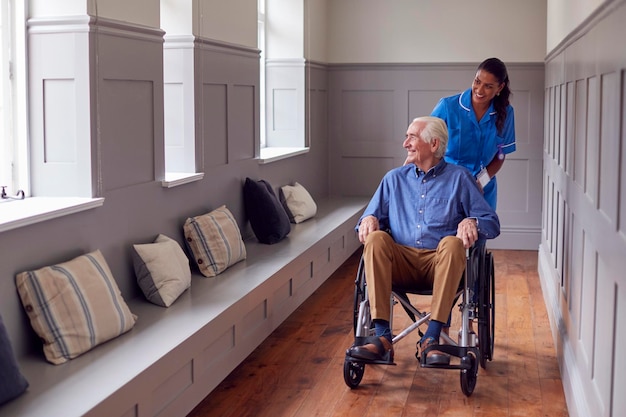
174 179
272 154
18 213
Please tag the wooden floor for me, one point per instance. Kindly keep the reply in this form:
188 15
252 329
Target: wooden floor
298 370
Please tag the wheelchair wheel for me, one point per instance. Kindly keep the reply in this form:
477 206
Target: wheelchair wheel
469 374
486 311
353 373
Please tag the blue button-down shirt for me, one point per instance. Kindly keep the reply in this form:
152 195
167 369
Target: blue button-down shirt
420 208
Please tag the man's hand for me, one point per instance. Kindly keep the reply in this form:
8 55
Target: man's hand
466 231
368 225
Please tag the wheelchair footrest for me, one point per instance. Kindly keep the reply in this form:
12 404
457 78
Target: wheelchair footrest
444 366
385 359
369 362
452 350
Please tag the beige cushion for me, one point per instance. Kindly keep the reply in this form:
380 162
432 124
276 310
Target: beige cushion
74 306
162 270
215 241
298 203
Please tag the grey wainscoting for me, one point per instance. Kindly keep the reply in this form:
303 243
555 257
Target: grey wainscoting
582 257
115 71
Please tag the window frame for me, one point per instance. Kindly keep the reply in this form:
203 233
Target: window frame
282 86
32 209
13 88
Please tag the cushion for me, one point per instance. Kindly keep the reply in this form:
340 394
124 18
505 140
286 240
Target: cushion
74 306
215 241
162 270
298 203
12 382
268 219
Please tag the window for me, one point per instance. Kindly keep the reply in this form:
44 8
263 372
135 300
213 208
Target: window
261 44
22 167
181 166
282 85
13 144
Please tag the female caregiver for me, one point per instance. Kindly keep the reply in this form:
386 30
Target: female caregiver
481 125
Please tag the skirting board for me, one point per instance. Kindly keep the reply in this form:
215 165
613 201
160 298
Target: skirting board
575 394
516 239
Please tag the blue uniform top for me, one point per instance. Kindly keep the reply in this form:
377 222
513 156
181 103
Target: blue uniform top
471 143
420 208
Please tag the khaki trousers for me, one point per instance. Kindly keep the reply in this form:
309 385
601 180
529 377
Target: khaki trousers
388 263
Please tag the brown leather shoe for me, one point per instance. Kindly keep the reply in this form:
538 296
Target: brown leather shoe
375 349
432 357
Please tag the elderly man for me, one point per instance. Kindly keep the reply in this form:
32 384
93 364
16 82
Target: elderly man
415 230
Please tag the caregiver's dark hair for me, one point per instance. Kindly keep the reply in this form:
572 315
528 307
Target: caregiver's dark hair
500 102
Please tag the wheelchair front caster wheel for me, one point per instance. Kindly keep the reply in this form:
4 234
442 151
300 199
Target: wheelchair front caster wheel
353 373
469 374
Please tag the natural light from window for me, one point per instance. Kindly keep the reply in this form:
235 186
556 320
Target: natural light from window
282 82
15 210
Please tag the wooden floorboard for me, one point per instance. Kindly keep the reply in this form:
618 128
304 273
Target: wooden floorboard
298 370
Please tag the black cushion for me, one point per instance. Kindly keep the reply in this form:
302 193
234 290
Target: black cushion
12 382
269 221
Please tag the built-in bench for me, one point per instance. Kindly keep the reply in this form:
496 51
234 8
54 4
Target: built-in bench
175 356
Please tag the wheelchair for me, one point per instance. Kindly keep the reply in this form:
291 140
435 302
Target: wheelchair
476 302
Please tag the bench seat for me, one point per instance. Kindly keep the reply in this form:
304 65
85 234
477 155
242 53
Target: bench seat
175 356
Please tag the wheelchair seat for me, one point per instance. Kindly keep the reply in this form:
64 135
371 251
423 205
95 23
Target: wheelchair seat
477 305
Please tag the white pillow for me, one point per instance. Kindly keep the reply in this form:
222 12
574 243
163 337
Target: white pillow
298 203
162 270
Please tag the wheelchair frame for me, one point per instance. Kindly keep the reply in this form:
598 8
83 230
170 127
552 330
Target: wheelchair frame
477 304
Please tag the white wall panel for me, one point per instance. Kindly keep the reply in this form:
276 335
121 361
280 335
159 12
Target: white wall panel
61 108
592 148
59 131
575 304
604 337
580 133
285 109
622 167
618 405
609 147
587 325
570 128
179 104
174 127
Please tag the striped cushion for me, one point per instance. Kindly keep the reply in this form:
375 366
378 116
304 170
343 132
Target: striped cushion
215 241
74 306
